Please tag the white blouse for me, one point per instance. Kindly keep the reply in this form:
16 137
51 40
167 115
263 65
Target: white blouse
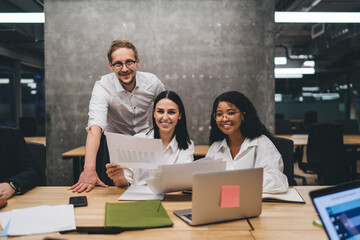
257 153
172 153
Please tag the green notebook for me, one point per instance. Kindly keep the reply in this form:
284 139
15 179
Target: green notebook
136 215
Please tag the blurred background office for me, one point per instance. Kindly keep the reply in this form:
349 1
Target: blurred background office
197 48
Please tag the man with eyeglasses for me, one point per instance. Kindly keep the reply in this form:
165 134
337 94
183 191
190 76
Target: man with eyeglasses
120 103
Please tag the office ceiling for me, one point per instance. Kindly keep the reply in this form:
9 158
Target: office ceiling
337 46
336 49
24 42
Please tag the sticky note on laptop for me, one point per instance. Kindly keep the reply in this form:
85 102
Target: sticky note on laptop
230 196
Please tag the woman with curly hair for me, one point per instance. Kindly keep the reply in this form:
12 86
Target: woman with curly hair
238 136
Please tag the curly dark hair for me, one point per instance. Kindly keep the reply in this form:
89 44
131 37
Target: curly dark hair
251 127
181 132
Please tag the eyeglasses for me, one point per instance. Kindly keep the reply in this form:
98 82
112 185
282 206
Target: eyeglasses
219 116
128 64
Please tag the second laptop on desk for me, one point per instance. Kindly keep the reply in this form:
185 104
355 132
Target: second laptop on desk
225 195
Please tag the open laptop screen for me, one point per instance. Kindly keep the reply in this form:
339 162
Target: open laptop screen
339 210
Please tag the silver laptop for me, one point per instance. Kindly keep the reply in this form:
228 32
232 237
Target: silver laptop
207 191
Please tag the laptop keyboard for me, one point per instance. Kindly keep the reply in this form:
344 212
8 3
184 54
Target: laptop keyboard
188 216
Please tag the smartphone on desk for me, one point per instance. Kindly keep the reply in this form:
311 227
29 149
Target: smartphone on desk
79 201
4 205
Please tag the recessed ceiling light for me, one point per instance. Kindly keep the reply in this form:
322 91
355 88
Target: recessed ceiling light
317 17
38 17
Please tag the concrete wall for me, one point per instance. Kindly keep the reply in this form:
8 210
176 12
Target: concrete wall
198 48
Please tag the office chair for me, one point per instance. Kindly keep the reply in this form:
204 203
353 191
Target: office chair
102 158
39 153
326 154
350 126
310 118
283 126
279 116
285 147
28 126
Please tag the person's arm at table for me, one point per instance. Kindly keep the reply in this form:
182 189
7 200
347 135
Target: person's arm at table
88 178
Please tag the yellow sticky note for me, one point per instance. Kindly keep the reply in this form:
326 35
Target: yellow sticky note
230 196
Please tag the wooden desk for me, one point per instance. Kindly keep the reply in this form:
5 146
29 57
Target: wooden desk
93 216
41 140
301 139
201 150
277 220
288 221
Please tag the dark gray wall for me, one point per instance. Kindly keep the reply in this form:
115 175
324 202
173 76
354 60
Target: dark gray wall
197 48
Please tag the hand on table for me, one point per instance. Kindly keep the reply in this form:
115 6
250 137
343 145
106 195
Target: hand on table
6 191
87 181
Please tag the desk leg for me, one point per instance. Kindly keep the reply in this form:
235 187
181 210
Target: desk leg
76 169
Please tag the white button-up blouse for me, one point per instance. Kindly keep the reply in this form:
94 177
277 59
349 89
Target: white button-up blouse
257 153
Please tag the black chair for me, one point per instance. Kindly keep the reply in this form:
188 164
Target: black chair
279 116
102 158
350 126
283 126
310 118
285 147
39 153
326 154
28 126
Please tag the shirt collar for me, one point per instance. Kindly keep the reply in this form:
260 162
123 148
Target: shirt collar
245 145
172 145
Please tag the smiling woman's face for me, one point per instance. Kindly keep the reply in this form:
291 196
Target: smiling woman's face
166 115
229 118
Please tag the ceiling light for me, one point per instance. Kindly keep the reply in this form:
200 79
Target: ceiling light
4 81
22 17
317 17
309 64
288 76
294 71
280 60
26 80
310 89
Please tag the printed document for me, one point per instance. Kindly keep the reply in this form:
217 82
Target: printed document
135 152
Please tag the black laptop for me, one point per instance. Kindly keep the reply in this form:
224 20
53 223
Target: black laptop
339 210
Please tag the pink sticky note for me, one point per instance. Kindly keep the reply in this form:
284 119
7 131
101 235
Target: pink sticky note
230 196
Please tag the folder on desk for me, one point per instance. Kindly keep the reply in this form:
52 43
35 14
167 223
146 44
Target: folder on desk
136 215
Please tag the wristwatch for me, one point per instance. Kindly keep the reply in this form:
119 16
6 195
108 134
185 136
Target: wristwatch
16 187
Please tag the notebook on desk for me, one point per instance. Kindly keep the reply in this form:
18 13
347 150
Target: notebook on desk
224 195
339 210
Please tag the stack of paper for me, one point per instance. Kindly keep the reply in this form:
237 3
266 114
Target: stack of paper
36 220
137 215
176 177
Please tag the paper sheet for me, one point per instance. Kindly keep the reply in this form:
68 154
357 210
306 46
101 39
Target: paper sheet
134 152
140 192
40 219
176 177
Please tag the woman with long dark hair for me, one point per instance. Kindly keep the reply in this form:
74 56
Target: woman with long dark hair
169 125
238 136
